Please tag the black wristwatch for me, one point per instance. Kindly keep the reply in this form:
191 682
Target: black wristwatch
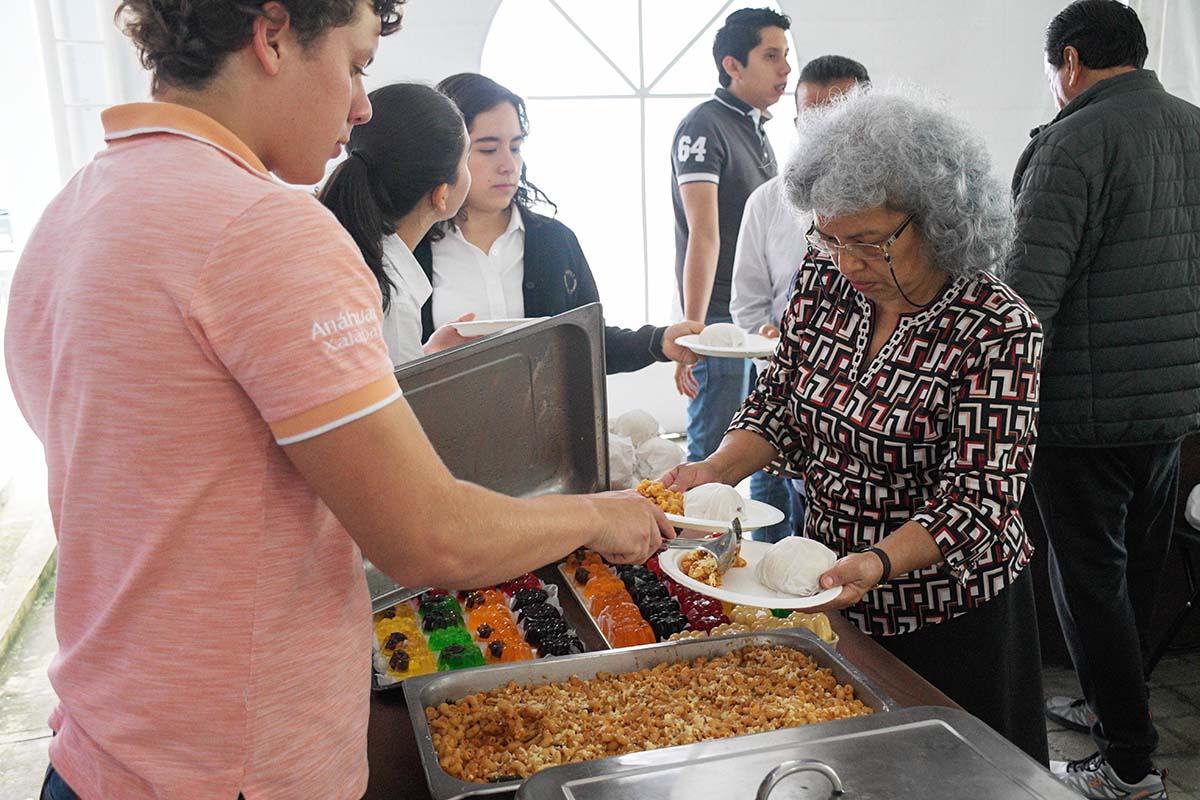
883 559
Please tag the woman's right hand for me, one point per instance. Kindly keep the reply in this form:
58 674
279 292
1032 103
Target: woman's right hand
448 336
632 528
856 574
685 476
769 331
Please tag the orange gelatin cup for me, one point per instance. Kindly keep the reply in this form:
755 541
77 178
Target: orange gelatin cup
602 601
613 616
631 635
520 651
494 615
600 583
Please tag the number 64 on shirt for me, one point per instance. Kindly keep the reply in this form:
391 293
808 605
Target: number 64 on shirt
689 149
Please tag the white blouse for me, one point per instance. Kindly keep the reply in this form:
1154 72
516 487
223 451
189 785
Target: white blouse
402 323
466 279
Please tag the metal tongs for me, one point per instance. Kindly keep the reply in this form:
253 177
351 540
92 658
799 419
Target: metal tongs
724 549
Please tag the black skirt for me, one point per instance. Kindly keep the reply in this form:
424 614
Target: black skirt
987 660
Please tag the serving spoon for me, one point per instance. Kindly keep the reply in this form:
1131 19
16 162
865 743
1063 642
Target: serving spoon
723 548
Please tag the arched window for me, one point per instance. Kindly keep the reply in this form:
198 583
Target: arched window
606 84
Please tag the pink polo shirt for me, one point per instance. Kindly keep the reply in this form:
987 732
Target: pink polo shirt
175 317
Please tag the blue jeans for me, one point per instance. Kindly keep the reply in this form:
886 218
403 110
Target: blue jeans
721 393
770 489
799 500
774 491
55 788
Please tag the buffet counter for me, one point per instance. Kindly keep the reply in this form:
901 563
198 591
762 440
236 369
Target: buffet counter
533 380
396 763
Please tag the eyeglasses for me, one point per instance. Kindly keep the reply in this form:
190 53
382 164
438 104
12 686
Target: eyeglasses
857 250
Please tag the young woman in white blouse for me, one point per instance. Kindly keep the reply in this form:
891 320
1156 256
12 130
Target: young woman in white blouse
498 258
406 171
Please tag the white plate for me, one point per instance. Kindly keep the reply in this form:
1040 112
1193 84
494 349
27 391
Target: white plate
755 347
486 327
740 585
757 515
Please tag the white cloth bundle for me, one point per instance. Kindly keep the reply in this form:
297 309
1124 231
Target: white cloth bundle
622 470
654 457
794 565
713 501
638 425
723 334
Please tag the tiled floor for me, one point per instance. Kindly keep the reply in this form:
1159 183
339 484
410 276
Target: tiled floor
26 700
1175 704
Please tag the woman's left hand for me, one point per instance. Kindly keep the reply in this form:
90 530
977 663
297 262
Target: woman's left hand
857 574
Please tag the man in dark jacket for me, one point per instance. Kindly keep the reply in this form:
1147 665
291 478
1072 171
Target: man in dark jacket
1108 256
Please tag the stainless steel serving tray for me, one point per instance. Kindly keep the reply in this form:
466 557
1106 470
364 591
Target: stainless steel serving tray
430 690
575 615
930 753
522 412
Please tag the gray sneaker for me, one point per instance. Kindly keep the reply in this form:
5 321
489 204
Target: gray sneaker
1070 712
1094 778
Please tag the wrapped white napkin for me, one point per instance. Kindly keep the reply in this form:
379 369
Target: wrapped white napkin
656 456
622 470
638 425
794 564
713 501
723 334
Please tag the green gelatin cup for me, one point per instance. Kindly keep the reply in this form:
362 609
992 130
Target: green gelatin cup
446 603
460 658
447 636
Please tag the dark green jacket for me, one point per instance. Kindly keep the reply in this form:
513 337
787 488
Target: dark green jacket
1108 257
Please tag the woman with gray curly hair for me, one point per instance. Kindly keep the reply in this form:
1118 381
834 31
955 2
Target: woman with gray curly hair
904 393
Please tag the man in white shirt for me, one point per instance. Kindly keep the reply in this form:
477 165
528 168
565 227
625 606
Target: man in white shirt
770 246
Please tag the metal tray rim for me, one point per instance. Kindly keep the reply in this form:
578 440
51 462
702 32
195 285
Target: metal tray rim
989 745
444 787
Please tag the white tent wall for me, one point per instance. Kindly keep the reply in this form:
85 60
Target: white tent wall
984 58
1173 33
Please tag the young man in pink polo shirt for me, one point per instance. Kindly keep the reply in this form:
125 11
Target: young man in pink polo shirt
198 347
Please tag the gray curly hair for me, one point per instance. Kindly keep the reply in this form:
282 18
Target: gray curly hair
897 148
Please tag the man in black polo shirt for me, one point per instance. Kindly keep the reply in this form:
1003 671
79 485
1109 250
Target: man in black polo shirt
719 155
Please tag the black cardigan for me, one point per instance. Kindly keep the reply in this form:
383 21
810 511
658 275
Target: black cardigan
557 279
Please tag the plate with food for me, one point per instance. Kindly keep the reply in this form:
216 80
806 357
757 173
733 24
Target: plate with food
726 340
773 576
486 327
710 507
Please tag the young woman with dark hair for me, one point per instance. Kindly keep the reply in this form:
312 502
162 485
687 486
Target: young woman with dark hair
500 259
406 171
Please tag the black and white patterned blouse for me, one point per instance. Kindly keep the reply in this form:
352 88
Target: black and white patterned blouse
939 428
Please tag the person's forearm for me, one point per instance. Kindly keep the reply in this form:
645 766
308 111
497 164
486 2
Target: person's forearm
740 454
381 478
699 271
910 547
484 538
